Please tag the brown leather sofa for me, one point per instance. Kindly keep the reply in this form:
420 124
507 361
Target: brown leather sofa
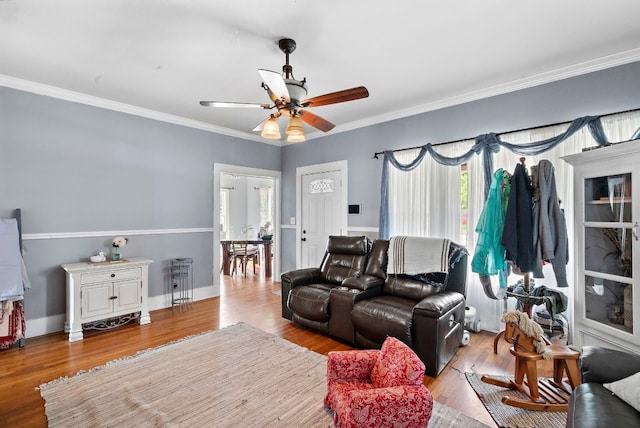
351 297
592 405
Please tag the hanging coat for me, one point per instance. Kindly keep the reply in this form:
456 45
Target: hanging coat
517 235
488 257
551 242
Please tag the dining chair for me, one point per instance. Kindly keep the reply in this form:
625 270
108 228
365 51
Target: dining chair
243 253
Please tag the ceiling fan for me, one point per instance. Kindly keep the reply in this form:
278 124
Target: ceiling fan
288 96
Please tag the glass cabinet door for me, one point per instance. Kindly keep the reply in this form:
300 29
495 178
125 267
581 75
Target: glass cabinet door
608 266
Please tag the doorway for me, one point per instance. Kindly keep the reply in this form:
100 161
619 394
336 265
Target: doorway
322 209
244 201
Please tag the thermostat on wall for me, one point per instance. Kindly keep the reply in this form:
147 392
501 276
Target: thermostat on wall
354 209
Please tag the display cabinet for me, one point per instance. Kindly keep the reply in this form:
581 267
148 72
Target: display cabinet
113 291
606 215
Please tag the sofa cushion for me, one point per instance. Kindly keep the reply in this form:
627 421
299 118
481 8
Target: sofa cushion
410 288
338 267
596 364
346 257
628 389
594 406
310 301
377 263
383 316
353 245
397 365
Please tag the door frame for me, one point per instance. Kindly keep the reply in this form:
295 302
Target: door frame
220 168
340 166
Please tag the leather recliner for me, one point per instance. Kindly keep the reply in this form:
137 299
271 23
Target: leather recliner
306 292
427 314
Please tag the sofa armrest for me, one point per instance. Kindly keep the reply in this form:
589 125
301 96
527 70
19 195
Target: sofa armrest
363 282
439 304
301 276
603 365
356 364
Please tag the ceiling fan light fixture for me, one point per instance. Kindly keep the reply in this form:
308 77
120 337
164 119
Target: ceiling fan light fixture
295 127
296 138
271 129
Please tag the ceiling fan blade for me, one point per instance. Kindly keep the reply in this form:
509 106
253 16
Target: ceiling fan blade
276 84
337 97
261 124
234 105
315 121
276 100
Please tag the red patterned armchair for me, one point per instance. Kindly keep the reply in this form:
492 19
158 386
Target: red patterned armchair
378 388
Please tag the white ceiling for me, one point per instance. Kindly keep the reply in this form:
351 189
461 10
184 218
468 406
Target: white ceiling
159 58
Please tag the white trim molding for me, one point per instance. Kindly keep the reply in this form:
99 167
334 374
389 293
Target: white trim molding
362 229
97 234
90 100
609 61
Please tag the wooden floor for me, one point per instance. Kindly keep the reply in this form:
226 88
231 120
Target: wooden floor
253 301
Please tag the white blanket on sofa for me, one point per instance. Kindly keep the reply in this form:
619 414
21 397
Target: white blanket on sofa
410 255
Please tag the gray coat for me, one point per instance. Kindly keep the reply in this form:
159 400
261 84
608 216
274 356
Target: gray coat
550 240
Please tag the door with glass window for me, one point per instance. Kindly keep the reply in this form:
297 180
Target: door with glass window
321 214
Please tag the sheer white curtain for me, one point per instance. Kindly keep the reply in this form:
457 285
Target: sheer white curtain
490 311
426 200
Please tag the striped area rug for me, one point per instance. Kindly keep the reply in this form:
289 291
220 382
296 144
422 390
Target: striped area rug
509 416
238 376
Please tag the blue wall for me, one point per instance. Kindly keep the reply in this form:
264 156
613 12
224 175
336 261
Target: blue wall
77 169
74 168
608 91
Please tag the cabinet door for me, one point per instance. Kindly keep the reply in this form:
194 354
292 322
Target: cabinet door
97 300
609 235
129 295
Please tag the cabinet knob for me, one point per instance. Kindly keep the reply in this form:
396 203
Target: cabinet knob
113 275
113 297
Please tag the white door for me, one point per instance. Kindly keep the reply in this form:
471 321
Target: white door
321 214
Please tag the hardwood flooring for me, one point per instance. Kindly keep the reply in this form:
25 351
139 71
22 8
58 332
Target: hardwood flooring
253 301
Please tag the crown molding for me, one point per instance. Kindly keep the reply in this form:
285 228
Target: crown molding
585 67
578 69
80 98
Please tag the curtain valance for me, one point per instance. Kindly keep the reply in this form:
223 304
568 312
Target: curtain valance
487 145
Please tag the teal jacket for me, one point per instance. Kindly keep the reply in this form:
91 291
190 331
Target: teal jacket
489 255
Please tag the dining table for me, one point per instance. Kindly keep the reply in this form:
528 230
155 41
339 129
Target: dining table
227 254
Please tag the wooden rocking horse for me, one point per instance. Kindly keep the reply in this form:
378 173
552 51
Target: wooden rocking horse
528 347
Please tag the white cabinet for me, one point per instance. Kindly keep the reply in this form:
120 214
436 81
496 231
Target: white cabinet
607 212
99 291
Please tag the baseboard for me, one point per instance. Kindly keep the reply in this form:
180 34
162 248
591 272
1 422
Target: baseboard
55 323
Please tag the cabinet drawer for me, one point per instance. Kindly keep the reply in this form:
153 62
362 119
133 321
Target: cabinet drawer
111 275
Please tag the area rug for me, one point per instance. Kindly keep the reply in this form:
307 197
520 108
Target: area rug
509 416
238 376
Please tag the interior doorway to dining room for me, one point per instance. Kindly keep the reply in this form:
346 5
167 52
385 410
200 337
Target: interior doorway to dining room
246 206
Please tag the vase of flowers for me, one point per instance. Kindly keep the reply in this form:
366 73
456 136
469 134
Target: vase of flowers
118 241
